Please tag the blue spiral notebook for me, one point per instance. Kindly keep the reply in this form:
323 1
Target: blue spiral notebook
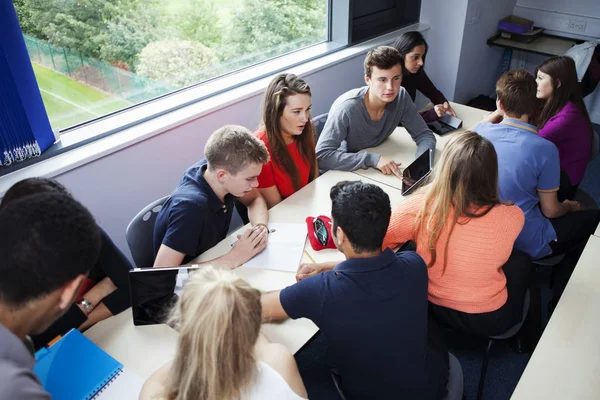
74 368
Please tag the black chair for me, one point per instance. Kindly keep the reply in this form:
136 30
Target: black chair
140 233
454 386
319 123
506 335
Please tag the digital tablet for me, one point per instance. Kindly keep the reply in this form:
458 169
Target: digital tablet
154 292
446 124
414 175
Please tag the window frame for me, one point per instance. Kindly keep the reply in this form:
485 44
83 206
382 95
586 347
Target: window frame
339 34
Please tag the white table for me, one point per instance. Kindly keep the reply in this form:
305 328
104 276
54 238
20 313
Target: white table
597 231
142 349
401 148
312 200
566 361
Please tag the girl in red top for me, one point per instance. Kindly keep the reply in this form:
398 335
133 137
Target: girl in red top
287 131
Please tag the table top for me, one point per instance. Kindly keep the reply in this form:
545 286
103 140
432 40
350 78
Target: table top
597 231
566 362
401 148
311 200
141 349
545 44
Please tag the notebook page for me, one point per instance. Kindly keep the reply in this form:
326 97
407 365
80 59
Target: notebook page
284 251
126 386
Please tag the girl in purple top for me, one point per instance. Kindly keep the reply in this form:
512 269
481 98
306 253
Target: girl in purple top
413 47
564 120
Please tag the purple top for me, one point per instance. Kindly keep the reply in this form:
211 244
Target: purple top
570 132
421 82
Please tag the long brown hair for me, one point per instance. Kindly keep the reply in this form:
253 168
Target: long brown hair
280 88
565 88
464 186
218 317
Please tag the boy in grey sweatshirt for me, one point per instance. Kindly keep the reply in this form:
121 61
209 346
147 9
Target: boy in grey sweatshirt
365 117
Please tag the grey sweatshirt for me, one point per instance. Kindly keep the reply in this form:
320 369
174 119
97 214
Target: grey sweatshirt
349 129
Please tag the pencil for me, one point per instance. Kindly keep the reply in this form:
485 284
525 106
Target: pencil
309 257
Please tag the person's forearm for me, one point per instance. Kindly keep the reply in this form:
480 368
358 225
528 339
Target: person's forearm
560 210
342 161
99 313
258 212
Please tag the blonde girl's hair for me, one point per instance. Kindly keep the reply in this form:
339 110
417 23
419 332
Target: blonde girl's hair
218 317
464 186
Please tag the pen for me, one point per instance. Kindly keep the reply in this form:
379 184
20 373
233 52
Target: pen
309 257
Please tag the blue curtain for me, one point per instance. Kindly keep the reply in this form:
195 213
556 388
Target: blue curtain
25 130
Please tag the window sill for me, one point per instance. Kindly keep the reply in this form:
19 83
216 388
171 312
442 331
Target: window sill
84 144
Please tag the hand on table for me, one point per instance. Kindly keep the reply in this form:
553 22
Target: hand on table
249 244
441 109
308 270
389 167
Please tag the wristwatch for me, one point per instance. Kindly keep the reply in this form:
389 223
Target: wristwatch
264 225
85 305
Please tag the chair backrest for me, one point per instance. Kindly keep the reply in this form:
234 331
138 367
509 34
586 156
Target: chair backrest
455 384
140 233
319 123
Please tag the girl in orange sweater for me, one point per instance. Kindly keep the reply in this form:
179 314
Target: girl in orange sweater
465 234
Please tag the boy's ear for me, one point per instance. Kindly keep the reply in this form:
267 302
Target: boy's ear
558 83
220 174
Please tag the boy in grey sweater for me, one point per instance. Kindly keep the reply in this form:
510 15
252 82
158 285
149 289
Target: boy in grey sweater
365 117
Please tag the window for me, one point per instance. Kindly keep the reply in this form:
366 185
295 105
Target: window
92 58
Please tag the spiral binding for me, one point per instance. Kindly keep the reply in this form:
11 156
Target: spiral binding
106 383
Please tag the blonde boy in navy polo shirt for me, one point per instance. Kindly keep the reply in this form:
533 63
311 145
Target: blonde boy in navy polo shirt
197 215
529 175
371 308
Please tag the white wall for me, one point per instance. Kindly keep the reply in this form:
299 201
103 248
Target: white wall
447 20
590 8
460 62
479 66
117 186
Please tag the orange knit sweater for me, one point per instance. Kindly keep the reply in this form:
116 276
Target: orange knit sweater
473 281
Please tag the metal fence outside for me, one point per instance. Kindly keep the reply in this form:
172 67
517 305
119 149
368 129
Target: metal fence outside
101 75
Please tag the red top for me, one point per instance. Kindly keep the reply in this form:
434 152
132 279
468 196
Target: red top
273 175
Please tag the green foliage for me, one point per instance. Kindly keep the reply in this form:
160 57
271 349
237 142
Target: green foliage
76 24
198 21
176 62
128 33
142 35
24 15
275 26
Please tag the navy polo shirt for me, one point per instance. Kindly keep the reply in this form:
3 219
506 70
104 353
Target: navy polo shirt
373 313
194 219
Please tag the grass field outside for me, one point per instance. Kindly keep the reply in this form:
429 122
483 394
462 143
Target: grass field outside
69 102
